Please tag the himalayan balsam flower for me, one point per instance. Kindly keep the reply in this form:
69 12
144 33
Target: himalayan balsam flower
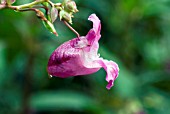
79 56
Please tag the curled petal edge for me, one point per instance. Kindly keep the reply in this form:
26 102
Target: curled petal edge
94 34
111 69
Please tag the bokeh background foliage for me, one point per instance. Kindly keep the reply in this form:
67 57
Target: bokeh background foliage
135 34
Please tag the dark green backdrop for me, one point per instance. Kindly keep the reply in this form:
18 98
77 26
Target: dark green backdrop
135 34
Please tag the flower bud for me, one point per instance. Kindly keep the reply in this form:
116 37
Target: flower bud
65 1
66 16
71 6
53 14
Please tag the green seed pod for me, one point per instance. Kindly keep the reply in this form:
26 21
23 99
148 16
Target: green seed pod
50 27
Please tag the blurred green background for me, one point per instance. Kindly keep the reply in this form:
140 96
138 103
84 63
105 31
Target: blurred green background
135 34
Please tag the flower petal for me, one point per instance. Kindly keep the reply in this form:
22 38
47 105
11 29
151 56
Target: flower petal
68 61
93 35
96 23
112 70
79 56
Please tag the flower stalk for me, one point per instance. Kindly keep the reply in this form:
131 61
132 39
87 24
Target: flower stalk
52 11
72 29
29 5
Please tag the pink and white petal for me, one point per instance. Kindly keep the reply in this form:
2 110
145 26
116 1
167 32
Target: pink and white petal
80 42
111 69
96 23
94 34
68 61
61 61
79 56
91 35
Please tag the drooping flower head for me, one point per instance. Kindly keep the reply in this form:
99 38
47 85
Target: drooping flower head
79 56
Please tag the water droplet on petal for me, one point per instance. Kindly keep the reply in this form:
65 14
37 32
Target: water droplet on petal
50 76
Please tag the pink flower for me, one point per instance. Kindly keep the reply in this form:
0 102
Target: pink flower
79 56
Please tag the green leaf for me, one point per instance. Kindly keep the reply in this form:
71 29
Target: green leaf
2 62
62 100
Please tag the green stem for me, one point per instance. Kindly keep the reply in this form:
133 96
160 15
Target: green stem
29 5
52 5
